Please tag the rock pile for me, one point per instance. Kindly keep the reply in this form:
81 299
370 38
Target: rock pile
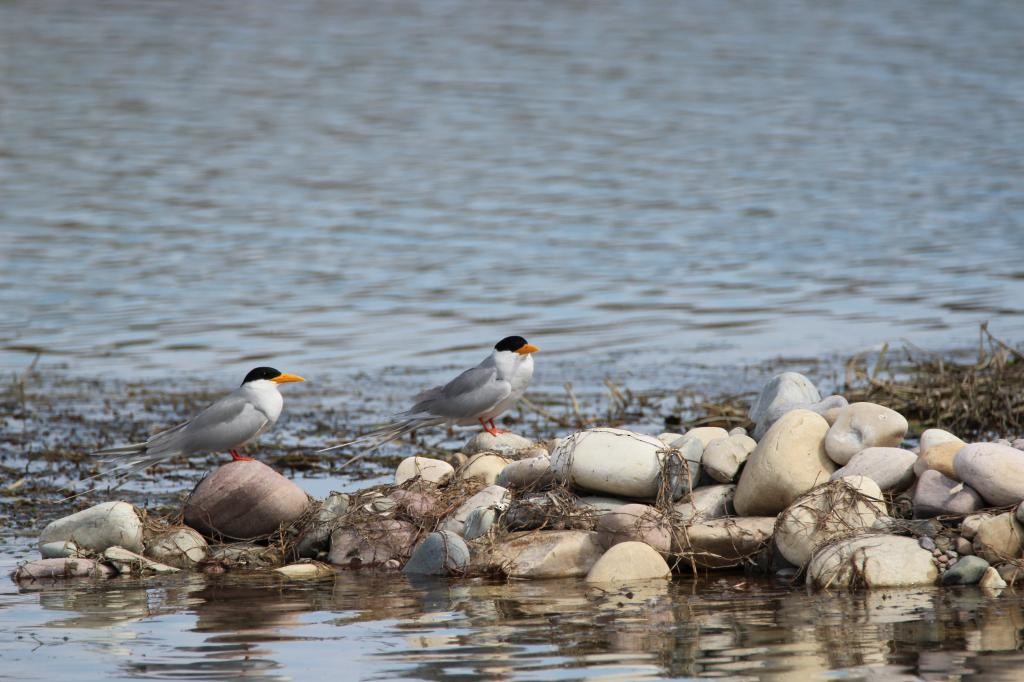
824 488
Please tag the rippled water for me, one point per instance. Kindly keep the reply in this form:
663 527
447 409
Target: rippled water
341 186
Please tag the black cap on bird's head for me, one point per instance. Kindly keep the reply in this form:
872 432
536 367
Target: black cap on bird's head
270 374
516 344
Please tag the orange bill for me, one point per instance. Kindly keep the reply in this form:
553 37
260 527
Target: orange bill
528 348
285 378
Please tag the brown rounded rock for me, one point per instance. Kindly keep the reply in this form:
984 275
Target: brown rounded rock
243 500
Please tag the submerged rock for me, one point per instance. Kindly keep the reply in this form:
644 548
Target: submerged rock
789 461
891 468
95 529
425 469
178 547
306 570
243 500
629 562
872 561
440 553
995 471
58 569
863 425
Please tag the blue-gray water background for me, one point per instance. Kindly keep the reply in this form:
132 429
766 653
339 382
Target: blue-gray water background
332 187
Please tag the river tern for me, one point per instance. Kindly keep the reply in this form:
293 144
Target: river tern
227 424
478 395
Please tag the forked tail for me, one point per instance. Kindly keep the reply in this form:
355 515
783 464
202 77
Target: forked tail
385 434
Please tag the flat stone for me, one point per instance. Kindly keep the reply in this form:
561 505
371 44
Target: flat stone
424 468
629 562
723 458
966 571
95 529
307 570
178 547
484 467
440 553
937 495
723 543
834 509
60 569
504 444
129 563
533 472
872 561
891 468
706 503
491 497
789 461
371 543
635 522
547 554
863 425
995 471
999 538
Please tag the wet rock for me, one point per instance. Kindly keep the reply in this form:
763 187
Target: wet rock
705 434
723 457
789 461
926 543
724 543
938 450
999 538
247 555
781 392
243 500
533 472
415 503
130 563
706 503
479 523
306 570
483 467
59 549
61 568
991 580
629 562
505 444
936 495
969 526
315 534
966 571
425 468
872 561
493 496
178 547
863 425
635 522
837 508
891 468
440 553
613 461
995 471
95 529
551 554
371 543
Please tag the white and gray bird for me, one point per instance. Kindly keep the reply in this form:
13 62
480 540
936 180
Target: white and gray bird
226 425
478 395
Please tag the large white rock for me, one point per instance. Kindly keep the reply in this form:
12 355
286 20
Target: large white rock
615 461
872 561
503 443
629 562
789 461
723 543
548 554
526 473
995 471
863 425
425 468
723 457
706 503
110 524
815 518
935 495
891 468
492 497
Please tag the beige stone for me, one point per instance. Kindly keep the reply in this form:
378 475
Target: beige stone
635 522
723 457
547 554
789 461
863 425
723 543
705 434
996 471
629 562
484 467
937 451
503 443
872 561
425 468
178 547
999 538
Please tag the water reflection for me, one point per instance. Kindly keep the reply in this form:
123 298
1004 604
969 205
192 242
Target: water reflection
385 627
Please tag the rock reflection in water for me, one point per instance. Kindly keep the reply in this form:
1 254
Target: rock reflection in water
382 626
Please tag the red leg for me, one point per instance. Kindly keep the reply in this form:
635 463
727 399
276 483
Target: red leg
488 426
235 457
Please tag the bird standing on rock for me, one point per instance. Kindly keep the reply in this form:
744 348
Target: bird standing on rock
478 395
228 424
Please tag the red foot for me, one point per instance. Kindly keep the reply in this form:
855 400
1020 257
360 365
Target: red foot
490 428
239 458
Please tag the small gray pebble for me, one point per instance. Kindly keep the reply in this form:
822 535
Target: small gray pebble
926 542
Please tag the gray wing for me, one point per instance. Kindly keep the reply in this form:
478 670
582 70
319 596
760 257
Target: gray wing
471 393
226 424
